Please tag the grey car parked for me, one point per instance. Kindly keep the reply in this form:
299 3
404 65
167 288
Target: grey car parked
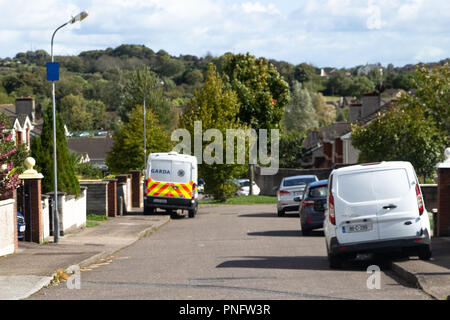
290 188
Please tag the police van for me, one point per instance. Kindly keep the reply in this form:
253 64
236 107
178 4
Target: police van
171 183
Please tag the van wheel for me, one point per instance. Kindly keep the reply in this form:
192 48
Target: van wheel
424 253
334 261
192 212
281 213
148 211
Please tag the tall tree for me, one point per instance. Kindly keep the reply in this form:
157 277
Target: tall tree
138 83
42 151
216 106
326 113
128 149
299 114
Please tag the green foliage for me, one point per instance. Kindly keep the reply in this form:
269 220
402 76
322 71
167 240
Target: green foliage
42 152
402 134
128 150
139 83
291 149
300 114
262 92
217 107
326 113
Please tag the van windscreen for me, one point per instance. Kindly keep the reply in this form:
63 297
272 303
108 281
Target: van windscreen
373 185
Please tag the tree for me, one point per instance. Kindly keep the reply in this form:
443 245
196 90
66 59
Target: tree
291 149
128 149
9 175
217 107
42 151
402 134
261 91
299 114
326 113
136 84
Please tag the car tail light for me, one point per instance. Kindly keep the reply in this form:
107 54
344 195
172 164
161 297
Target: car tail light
281 192
306 203
331 209
419 199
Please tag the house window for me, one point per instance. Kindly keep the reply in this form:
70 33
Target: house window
18 137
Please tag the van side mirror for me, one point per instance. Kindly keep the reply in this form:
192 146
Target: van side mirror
298 199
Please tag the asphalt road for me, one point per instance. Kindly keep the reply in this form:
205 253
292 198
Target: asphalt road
230 252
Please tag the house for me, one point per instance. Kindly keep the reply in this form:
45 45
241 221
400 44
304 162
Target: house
92 149
332 145
24 124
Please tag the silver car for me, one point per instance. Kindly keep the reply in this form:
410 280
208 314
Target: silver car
290 188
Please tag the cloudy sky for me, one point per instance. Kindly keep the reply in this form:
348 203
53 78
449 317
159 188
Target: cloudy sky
339 33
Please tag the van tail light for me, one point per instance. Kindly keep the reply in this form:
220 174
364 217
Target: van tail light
419 199
331 209
306 203
193 190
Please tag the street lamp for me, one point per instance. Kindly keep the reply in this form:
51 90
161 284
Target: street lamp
82 15
145 135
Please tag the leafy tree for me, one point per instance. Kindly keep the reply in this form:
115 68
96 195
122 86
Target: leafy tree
216 106
359 86
9 160
42 151
326 113
128 149
291 149
75 113
136 84
300 114
261 91
403 134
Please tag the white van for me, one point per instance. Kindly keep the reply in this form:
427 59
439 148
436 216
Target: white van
375 207
171 183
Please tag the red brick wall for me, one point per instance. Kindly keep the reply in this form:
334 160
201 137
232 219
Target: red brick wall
328 154
443 223
135 188
112 198
338 151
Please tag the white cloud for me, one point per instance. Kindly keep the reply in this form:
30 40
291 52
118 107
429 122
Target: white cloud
324 32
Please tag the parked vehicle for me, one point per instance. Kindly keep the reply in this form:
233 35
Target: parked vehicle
21 227
171 183
290 188
244 187
375 207
201 185
312 206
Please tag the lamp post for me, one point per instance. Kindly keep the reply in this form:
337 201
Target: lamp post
78 17
145 135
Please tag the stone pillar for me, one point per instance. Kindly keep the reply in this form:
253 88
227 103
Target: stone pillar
443 216
112 197
136 193
122 182
33 207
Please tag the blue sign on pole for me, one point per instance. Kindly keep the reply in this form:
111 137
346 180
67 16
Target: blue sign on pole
52 71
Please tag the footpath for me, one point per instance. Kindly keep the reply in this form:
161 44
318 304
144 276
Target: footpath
432 276
34 266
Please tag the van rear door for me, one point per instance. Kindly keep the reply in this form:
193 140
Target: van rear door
398 215
355 208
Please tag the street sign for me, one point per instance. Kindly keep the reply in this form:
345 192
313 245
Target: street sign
52 71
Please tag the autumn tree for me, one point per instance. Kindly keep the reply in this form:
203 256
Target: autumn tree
326 113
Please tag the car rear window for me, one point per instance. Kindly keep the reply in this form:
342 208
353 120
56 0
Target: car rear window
297 181
373 185
317 192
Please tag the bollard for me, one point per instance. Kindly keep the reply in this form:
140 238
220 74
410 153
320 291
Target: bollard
435 229
121 206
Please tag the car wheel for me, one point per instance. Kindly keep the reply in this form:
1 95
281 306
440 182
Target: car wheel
424 253
334 261
281 213
306 231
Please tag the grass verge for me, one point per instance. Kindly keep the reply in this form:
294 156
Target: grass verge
243 200
92 220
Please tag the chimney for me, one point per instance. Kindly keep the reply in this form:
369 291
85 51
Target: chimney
355 112
25 105
370 104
